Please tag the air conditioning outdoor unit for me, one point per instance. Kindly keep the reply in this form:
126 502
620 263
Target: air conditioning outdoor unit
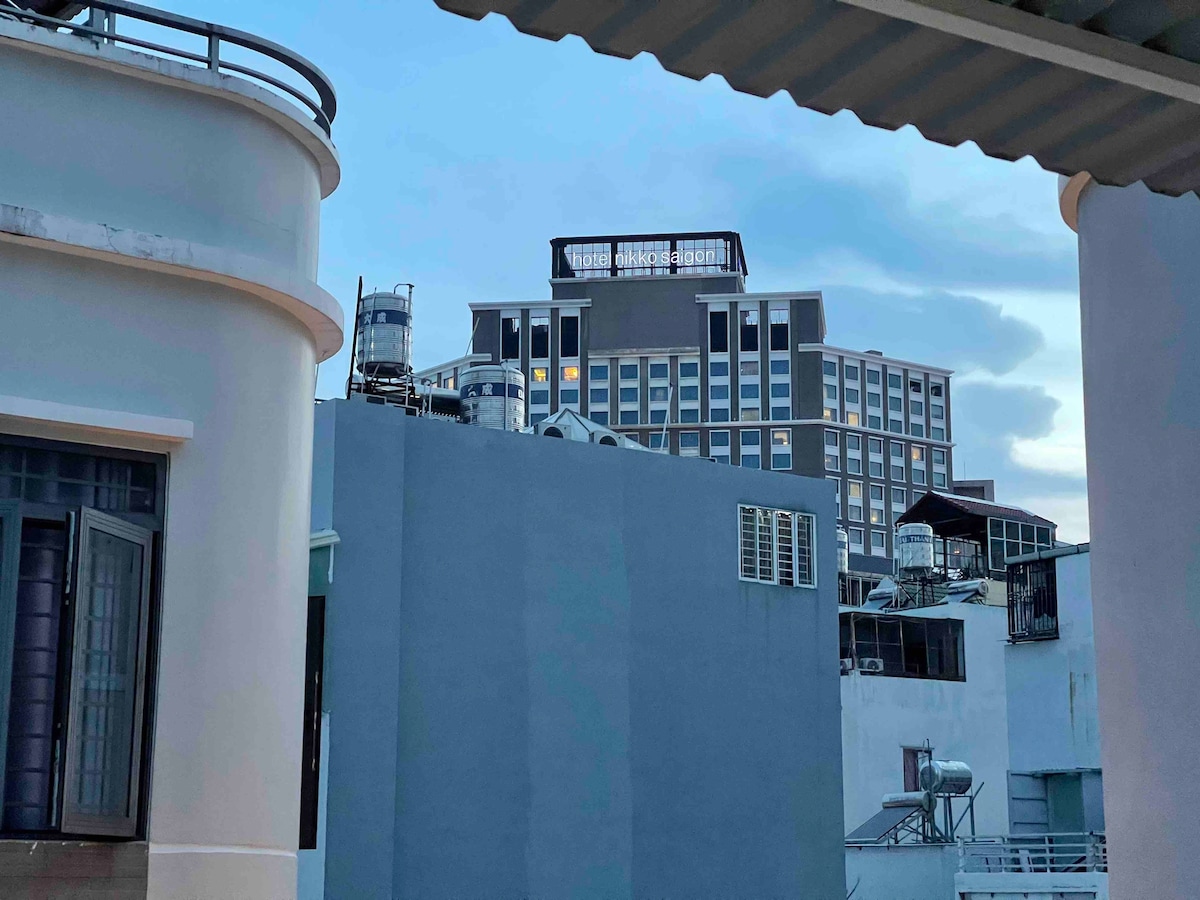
847 665
870 664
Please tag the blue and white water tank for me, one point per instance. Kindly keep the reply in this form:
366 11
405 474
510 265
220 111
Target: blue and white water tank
493 396
914 547
385 334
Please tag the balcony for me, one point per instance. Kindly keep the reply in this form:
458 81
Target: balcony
1032 601
1042 865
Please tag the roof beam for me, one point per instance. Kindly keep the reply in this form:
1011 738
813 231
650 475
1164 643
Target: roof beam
1037 37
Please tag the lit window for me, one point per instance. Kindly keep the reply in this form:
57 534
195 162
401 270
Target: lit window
539 337
780 367
830 415
449 383
540 374
829 367
918 454
629 371
658 395
781 437
854 490
779 329
659 370
748 333
598 373
568 396
877 516
831 463
777 546
570 373
689 370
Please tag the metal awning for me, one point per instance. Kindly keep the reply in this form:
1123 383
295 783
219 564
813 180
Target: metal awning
1109 87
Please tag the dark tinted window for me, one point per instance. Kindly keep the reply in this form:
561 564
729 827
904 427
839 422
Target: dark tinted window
510 338
569 336
718 332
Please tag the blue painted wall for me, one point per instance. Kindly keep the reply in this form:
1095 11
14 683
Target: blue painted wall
544 678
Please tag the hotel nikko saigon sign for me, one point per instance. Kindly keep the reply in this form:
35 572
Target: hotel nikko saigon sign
645 259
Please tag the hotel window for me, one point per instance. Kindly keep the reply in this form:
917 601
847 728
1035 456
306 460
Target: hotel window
629 395
898 497
831 463
897 450
935 390
658 416
689 393
689 416
918 476
875 469
510 337
748 330
629 371
658 394
854 442
895 381
873 400
718 446
748 391
718 414
916 408
660 370
539 375
656 440
751 460
777 546
689 370
830 415
918 455
937 434
718 369
897 473
896 426
896 404
872 376
939 479
936 411
568 396
856 538
718 392
916 429
851 372
780 367
629 417
539 398
718 331
875 445
749 414
599 416
598 395
837 493
876 491
598 373
874 422
534 418
781 448
831 392
877 517
570 373
781 413
831 438
779 329
781 389
855 512
829 367
939 457
80 530
851 395
568 336
916 387
689 440
539 337
878 544
854 465
854 490
748 368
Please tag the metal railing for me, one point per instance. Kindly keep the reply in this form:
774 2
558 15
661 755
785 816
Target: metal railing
101 22
1024 853
1032 601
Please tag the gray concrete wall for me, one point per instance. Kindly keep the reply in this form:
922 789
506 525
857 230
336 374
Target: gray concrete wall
1138 272
544 677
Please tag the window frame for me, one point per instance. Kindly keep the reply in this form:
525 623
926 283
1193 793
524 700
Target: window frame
797 517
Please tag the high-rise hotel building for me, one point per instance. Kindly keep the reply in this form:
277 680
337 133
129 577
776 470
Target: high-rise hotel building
657 337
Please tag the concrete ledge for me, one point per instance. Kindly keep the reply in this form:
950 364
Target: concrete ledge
1023 884
107 421
35 870
314 307
286 115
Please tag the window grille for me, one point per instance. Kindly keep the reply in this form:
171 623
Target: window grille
777 546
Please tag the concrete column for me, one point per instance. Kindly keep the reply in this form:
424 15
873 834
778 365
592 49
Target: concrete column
1139 262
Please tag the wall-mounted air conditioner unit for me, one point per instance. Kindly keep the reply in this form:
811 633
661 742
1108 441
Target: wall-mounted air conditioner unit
847 665
870 664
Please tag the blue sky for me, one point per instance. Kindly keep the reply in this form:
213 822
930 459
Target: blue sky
466 146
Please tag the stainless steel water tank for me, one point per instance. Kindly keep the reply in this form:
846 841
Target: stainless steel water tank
493 396
385 335
946 776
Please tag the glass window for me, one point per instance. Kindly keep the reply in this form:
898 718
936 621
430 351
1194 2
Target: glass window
658 394
916 387
896 426
853 465
781 461
831 438
689 416
570 373
851 395
899 496
598 373
939 479
831 463
780 367
937 434
831 415
877 516
779 329
918 454
718 391
629 371
750 437
689 392
781 413
874 422
749 413
916 429
877 492
599 416
748 391
873 400
877 541
751 461
831 392
629 417
895 381
856 536
568 336
896 404
510 337
748 368
718 369
658 416
539 337
851 372
598 395
918 476
539 374
718 414
689 440
568 396
916 408
854 512
629 395
872 376
897 473
718 331
939 457
534 418
897 450
875 445
689 370
656 440
781 389
781 437
937 411
660 370
719 457
539 398
829 367
875 469
853 442
935 390
854 490
718 438
749 330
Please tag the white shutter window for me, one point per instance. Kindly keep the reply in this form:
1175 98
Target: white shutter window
776 546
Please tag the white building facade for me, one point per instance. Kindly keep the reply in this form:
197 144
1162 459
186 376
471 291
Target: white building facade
161 330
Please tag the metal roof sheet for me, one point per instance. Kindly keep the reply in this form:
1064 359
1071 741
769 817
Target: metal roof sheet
1110 87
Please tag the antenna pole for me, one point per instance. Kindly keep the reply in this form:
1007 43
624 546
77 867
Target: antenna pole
471 339
354 340
666 447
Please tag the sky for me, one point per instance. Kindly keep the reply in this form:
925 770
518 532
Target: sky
466 146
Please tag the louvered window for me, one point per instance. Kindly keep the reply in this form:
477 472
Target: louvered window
777 546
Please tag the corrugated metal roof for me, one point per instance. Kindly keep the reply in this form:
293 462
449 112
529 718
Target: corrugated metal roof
1111 87
932 501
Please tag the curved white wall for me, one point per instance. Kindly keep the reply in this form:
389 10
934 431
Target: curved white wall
99 330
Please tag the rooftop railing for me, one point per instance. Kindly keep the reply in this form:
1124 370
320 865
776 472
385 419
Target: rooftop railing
1025 853
100 20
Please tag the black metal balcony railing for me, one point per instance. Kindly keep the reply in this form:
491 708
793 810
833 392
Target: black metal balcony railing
100 24
1032 601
